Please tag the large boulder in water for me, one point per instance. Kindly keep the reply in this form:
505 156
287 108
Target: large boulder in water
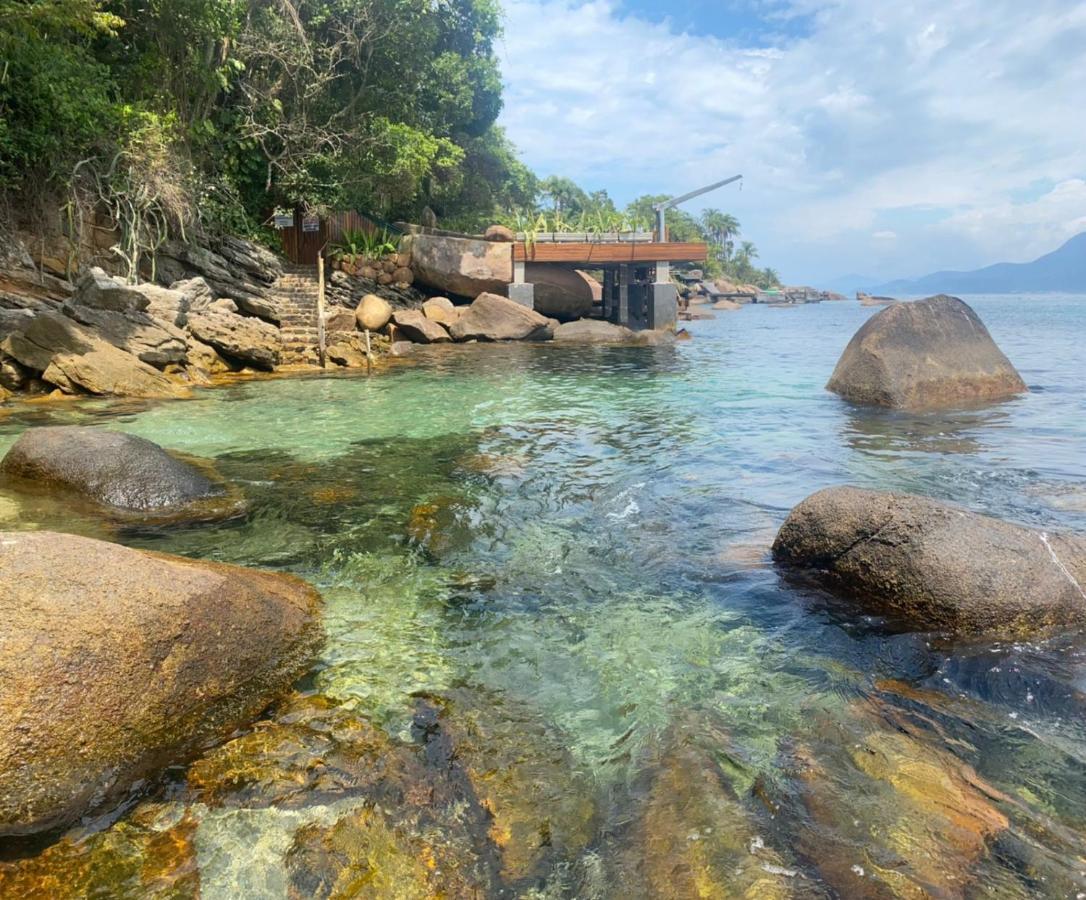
936 566
563 294
592 331
115 663
927 354
494 318
463 266
121 471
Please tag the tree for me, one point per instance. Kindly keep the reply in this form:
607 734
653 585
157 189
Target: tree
722 228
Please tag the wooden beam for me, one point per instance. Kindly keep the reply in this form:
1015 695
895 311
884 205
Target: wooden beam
589 254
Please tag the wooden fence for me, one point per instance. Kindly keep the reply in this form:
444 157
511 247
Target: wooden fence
302 242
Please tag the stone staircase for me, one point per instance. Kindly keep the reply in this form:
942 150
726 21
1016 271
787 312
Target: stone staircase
295 295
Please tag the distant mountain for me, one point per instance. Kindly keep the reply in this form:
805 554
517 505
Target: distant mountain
1062 270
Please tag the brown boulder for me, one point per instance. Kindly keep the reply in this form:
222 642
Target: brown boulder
592 331
563 294
494 318
250 340
373 313
927 354
107 371
419 328
98 290
463 266
154 342
441 310
115 663
499 233
936 566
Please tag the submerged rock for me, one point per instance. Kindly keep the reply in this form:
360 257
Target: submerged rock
889 812
693 837
542 809
936 566
927 354
150 854
494 318
441 526
592 331
115 663
121 471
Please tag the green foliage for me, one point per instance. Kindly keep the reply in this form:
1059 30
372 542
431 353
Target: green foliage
357 243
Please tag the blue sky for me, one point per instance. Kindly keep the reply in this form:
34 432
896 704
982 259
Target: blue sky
881 138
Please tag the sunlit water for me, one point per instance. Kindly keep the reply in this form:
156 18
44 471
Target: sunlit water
601 520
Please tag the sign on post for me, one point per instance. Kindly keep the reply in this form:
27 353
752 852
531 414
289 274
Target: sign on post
311 224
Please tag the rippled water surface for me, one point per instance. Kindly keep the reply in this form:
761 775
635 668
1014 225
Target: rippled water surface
576 539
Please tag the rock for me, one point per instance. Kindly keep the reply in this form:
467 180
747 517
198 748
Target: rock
151 853
592 331
463 266
156 343
165 304
495 318
936 566
499 233
98 290
542 807
196 293
224 304
14 321
238 337
441 310
373 313
401 348
13 376
347 351
563 294
727 304
419 328
403 276
338 319
312 752
48 334
441 526
107 371
115 663
121 471
5 394
692 836
928 354
206 360
258 306
659 338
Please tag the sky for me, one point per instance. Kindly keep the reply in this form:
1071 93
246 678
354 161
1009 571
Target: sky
879 138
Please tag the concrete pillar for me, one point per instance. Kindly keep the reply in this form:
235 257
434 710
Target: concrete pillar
519 291
623 295
662 309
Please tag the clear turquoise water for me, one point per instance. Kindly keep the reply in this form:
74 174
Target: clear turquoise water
606 513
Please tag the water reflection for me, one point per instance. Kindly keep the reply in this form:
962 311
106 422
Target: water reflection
896 432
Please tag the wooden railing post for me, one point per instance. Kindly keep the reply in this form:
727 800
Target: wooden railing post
320 308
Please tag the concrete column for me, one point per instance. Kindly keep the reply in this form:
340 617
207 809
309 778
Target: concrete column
662 309
623 295
519 291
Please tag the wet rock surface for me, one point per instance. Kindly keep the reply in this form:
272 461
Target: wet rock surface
936 566
926 354
592 331
115 663
120 471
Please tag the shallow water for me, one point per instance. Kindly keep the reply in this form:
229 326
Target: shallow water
584 532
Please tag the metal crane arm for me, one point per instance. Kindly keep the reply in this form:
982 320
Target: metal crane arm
665 205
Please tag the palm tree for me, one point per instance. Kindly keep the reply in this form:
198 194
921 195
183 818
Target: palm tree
722 228
748 251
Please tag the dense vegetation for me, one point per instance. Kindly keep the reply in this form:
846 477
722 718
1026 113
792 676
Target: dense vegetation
183 115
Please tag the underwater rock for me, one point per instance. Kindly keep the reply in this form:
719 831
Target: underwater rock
366 854
936 566
693 837
441 526
592 331
115 663
311 752
126 473
542 809
494 318
149 854
892 814
927 354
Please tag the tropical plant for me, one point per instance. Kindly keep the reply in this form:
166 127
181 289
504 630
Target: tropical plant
359 243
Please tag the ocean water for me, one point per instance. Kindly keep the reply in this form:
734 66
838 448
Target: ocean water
585 531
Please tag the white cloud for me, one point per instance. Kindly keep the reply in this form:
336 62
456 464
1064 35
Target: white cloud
954 126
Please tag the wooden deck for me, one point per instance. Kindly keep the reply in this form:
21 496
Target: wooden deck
590 255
